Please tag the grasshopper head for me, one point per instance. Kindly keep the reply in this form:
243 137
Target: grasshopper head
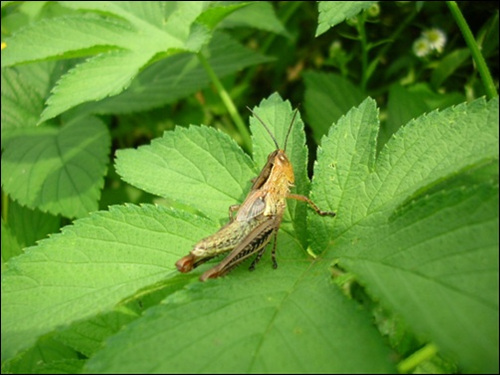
283 166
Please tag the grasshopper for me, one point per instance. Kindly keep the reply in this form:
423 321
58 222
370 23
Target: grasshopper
257 219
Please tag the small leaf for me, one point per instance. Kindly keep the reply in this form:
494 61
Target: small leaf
199 167
259 15
113 70
332 13
57 170
448 65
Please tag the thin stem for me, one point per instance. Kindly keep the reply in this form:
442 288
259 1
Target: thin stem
364 51
421 355
228 102
484 72
373 65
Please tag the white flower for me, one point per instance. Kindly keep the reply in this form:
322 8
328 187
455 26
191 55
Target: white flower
421 47
436 38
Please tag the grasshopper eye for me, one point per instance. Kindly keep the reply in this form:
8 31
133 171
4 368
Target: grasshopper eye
282 158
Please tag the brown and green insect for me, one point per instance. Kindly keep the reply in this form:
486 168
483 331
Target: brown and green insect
257 219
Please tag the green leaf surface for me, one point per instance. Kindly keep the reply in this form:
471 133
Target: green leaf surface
130 35
420 155
44 355
65 37
57 170
407 103
259 15
327 97
179 76
332 13
87 336
436 263
268 323
10 246
426 249
113 70
406 228
199 166
90 267
27 226
23 92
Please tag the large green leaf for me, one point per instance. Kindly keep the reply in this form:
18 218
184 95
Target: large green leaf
411 226
102 259
59 170
287 321
90 267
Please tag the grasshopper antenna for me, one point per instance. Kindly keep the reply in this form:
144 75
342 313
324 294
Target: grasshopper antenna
269 131
290 127
265 126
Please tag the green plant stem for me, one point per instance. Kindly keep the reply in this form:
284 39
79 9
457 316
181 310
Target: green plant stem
402 26
228 102
484 72
421 355
364 51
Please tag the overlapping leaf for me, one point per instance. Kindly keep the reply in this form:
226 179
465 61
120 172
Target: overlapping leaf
132 34
57 170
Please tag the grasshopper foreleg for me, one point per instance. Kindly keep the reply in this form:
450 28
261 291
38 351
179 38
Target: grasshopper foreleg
310 203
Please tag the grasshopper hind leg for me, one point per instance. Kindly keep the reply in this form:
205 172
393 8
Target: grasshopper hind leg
261 252
257 259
